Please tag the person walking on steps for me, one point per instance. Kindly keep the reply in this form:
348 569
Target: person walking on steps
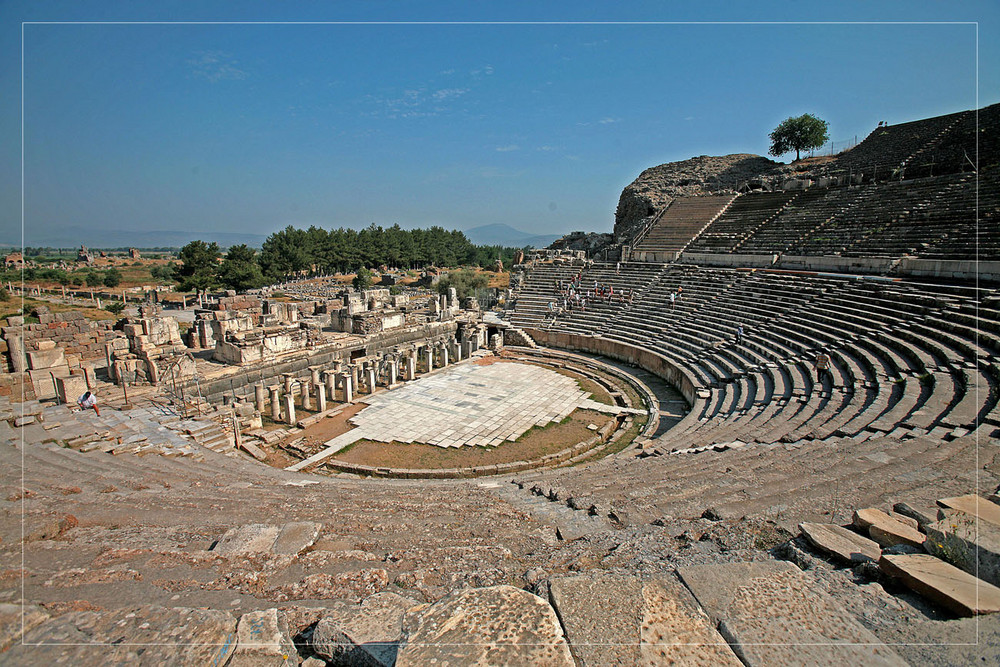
822 365
87 401
739 334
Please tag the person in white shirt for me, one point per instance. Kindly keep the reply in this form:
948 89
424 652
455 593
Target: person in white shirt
88 400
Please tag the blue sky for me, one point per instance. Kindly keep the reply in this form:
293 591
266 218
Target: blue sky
252 127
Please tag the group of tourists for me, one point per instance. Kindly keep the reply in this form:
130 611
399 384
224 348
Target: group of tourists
575 297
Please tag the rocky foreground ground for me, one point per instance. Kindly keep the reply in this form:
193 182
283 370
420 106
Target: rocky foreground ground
149 560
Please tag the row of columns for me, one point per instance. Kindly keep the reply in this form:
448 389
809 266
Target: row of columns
323 386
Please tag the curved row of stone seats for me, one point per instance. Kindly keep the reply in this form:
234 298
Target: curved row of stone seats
809 211
682 221
172 510
814 477
887 148
893 370
956 151
533 298
742 218
896 218
624 280
970 237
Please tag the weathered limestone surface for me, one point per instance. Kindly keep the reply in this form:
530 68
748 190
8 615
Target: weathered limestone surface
972 545
975 506
770 616
367 634
675 631
497 625
255 538
262 640
943 583
294 537
130 636
13 623
601 614
613 619
840 542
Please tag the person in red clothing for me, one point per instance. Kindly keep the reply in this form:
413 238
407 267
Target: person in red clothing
88 400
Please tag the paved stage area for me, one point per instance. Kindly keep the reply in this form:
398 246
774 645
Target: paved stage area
467 405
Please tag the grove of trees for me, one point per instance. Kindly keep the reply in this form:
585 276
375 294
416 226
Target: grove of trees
296 252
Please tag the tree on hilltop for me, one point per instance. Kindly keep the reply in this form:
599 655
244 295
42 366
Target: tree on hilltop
799 133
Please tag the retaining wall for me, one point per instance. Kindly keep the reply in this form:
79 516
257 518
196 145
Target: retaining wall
733 261
613 349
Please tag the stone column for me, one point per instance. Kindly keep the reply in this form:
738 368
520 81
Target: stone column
370 378
258 397
275 404
314 374
331 384
320 397
108 353
393 372
456 350
289 379
429 353
347 385
354 377
444 355
290 408
306 398
411 366
20 361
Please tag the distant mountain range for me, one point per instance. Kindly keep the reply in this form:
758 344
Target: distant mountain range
99 237
505 235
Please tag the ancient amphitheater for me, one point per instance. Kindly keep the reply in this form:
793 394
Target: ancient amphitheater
785 381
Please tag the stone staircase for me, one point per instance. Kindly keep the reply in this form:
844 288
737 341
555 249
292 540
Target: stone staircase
681 223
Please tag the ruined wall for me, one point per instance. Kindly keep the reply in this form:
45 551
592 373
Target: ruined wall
80 339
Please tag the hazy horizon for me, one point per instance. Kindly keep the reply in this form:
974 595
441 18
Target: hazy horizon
248 128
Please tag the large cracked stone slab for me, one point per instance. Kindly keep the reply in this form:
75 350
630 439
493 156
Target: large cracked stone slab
497 625
675 631
771 616
943 583
144 636
613 619
258 538
885 530
843 544
262 640
295 536
601 614
368 634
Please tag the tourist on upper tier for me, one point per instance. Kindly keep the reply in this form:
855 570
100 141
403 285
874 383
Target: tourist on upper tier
739 334
822 365
87 401
673 298
618 268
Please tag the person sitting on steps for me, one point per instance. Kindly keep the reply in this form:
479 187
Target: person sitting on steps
88 400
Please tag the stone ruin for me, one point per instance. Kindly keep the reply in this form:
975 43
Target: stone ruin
152 347
369 312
